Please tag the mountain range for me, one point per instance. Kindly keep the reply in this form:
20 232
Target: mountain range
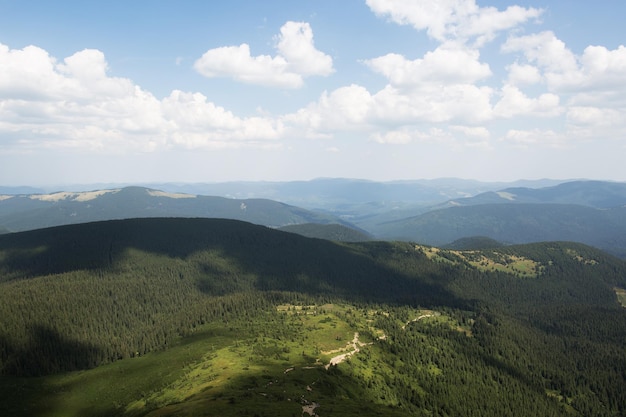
592 212
433 212
214 317
34 211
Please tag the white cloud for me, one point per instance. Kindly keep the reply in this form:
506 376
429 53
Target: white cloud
460 20
544 49
344 109
601 72
198 123
460 103
297 58
27 73
596 77
295 44
395 137
595 117
479 132
515 103
446 64
440 87
523 74
534 138
454 138
76 105
595 123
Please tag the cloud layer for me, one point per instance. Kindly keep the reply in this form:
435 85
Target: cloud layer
536 92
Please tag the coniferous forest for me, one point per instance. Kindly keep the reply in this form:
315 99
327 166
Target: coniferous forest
210 317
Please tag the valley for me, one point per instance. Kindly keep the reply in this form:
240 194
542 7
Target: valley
214 317
430 212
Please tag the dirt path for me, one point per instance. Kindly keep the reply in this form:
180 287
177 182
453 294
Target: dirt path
423 316
356 344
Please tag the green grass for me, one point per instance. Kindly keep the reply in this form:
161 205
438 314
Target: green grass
222 369
485 260
621 296
107 390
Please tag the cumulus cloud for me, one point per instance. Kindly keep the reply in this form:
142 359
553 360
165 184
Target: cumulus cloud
455 103
196 123
442 86
594 116
545 50
446 64
598 68
479 132
595 123
461 20
515 103
523 74
396 137
296 59
344 109
534 137
76 104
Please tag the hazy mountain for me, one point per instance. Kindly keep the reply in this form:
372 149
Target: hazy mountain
4 190
582 211
353 196
517 223
599 194
33 211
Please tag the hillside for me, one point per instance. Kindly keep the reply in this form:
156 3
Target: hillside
33 211
598 194
516 223
331 193
473 243
220 317
335 232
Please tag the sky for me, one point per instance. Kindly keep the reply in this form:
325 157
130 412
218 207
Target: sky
210 91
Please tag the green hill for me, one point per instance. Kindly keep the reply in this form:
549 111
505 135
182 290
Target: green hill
207 317
598 194
336 232
473 243
517 223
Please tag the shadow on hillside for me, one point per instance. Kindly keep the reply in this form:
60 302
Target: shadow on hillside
47 352
279 260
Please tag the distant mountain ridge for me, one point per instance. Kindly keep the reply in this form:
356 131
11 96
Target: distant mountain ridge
518 223
598 194
33 211
590 212
348 194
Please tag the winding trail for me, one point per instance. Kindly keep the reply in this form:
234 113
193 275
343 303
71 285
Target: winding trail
423 316
356 344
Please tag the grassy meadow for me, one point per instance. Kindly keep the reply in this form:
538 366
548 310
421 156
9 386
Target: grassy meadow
273 366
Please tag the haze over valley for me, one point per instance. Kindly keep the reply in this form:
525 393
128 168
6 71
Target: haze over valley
324 208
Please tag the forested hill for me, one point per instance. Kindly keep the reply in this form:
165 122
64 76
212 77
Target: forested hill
517 223
221 317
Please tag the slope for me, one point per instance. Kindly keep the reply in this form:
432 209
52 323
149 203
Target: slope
220 317
598 194
516 223
27 212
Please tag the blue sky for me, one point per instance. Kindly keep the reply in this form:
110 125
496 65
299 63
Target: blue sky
189 91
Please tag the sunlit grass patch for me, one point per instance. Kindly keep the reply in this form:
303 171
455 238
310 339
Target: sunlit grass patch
621 295
497 261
